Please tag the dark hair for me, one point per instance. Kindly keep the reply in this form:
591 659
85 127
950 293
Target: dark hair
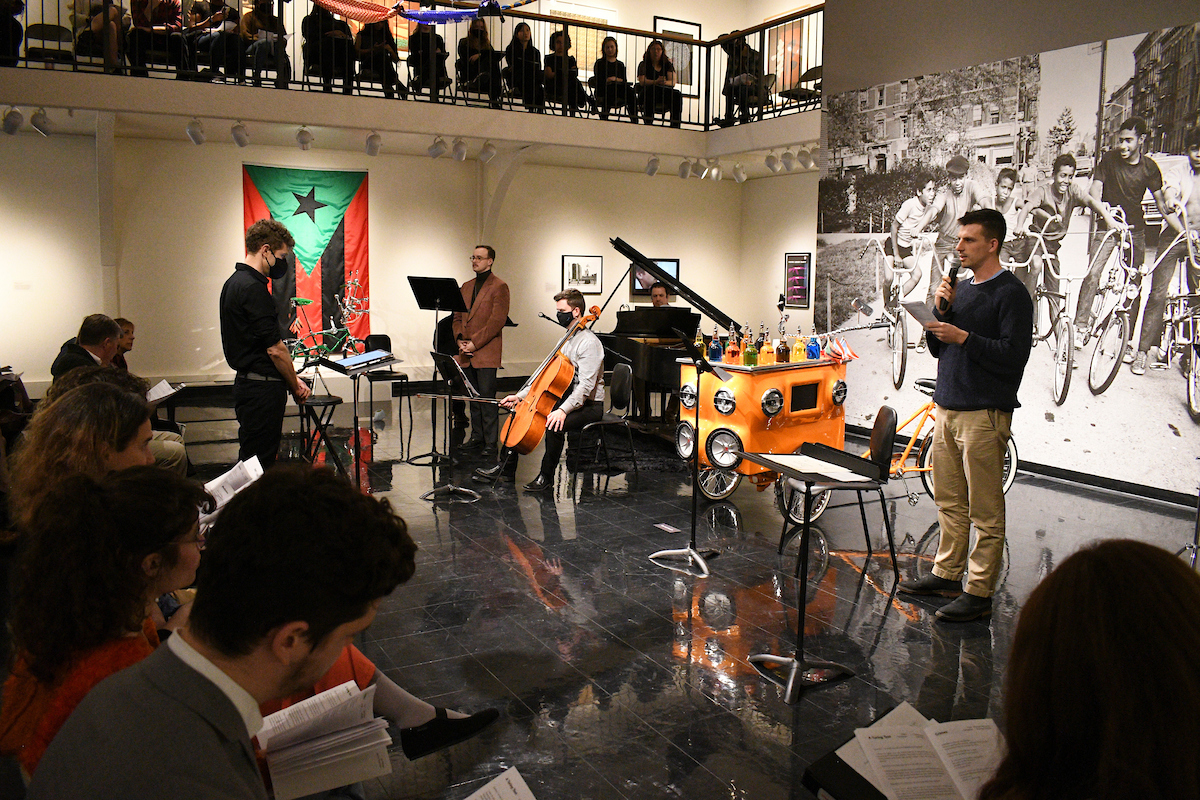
991 220
200 8
121 320
919 180
268 231
606 40
514 42
478 36
80 581
82 376
96 328
491 252
658 285
666 65
1010 173
300 544
574 298
1191 137
68 437
1102 697
1135 124
1064 160
554 36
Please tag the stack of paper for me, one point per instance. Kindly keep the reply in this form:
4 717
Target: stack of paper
224 487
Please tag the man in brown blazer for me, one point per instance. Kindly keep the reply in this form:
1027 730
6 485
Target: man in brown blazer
480 335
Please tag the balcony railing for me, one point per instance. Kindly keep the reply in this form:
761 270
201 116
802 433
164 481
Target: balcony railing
769 70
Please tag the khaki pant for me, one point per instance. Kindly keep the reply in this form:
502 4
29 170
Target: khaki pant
168 451
968 476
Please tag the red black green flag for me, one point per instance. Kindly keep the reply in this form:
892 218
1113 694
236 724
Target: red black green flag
326 212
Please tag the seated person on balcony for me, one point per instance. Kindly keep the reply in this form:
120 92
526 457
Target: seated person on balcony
656 79
377 53
562 75
13 33
94 37
612 85
156 26
743 79
477 65
525 62
427 61
329 44
260 27
217 35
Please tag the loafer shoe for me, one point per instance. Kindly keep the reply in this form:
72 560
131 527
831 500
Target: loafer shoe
964 608
539 484
471 444
492 474
933 585
442 732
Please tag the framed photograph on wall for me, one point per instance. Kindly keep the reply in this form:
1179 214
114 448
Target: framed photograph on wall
686 58
640 281
584 273
797 280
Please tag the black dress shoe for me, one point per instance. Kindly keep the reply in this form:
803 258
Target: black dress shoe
442 732
496 473
539 484
471 444
488 453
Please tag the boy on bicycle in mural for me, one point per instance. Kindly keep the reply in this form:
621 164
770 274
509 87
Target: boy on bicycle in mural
1008 203
904 230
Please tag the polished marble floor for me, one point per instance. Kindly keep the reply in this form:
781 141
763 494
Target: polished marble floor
620 679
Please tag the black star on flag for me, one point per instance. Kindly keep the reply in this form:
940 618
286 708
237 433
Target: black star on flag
308 204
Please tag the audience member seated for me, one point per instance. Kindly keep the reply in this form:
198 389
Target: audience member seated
166 445
377 53
562 75
217 37
281 591
97 557
329 44
125 343
427 61
478 64
743 79
96 343
525 67
1102 695
656 84
97 39
156 27
12 34
260 30
612 86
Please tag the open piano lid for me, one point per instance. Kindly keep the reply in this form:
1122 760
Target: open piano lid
696 300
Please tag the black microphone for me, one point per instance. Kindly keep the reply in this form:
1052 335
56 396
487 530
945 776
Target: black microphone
943 306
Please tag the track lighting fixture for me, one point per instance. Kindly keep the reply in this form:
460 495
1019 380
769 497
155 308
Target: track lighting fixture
241 136
374 143
195 132
685 169
772 162
804 158
698 170
714 170
789 160
304 138
487 152
739 173
13 120
814 154
652 166
460 150
438 148
41 122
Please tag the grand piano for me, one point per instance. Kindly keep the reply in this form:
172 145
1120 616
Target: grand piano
648 337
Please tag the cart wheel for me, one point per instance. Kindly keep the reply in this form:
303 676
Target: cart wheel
795 513
1106 358
717 484
1064 354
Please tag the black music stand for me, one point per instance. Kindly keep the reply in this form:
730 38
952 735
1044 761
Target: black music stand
455 381
436 295
355 367
694 557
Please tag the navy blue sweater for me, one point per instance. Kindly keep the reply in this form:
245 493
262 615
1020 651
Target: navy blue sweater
985 371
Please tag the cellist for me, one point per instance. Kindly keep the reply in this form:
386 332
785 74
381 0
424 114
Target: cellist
583 403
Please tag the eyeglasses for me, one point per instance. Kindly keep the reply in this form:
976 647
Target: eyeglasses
199 540
479 258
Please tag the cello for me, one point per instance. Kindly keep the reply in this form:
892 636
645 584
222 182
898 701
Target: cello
547 386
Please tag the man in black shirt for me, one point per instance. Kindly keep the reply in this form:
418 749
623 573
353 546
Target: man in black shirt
253 345
96 343
981 341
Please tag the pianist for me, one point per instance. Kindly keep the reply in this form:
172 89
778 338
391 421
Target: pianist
658 294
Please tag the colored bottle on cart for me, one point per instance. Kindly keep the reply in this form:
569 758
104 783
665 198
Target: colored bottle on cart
699 343
733 351
766 353
714 347
762 336
813 353
798 347
749 351
783 353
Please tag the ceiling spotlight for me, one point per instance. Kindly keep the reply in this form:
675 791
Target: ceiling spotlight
804 158
652 166
41 122
241 136
698 170
374 143
739 173
438 148
304 138
789 160
772 162
813 153
13 120
487 152
460 150
685 169
195 132
714 170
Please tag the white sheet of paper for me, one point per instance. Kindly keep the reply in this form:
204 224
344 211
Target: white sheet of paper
508 785
903 715
907 763
971 750
920 312
815 466
161 390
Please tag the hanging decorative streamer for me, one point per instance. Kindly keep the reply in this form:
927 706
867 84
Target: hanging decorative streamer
367 12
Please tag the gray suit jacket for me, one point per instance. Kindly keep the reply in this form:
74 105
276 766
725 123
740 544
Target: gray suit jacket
156 729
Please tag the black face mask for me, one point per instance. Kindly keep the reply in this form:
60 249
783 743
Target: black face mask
565 318
278 269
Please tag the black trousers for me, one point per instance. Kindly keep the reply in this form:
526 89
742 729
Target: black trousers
590 412
484 416
259 407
